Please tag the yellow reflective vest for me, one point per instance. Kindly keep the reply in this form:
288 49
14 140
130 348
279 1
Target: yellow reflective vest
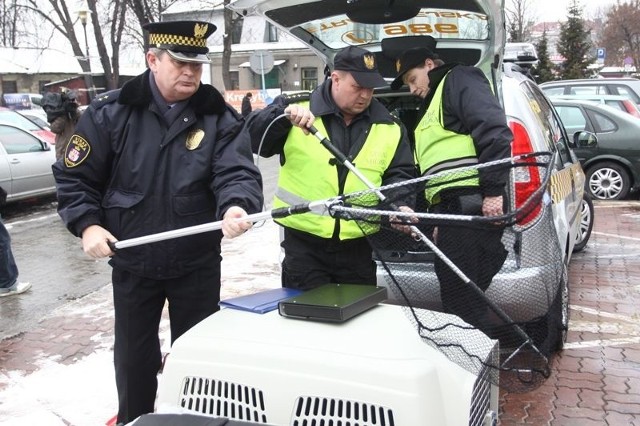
310 174
439 149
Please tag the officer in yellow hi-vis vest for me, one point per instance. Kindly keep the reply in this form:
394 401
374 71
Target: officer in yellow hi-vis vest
320 249
460 123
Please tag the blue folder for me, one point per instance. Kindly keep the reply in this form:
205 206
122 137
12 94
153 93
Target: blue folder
261 302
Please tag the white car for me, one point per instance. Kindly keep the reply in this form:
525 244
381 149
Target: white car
25 164
38 116
17 101
274 370
626 86
523 54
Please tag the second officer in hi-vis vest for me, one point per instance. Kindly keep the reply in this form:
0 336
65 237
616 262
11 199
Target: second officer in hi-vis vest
320 249
460 123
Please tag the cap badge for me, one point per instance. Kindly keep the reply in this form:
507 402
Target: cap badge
398 65
200 30
369 62
194 138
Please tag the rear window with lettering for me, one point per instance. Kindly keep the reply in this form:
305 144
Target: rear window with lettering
339 31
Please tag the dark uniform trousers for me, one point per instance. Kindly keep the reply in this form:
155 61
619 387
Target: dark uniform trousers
312 261
138 304
477 252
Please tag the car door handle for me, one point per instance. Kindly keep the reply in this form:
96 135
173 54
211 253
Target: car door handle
15 161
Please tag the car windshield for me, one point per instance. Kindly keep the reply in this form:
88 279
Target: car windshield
15 119
339 31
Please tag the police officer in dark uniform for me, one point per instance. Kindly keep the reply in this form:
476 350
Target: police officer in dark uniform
162 153
320 249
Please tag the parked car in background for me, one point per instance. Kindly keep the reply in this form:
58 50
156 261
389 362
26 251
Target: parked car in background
613 166
25 164
621 103
523 54
38 116
16 101
8 116
628 87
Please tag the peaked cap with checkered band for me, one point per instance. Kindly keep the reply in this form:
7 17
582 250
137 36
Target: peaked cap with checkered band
184 40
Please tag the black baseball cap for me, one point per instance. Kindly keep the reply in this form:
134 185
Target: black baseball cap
185 41
361 64
409 59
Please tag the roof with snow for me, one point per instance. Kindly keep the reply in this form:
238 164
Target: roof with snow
27 60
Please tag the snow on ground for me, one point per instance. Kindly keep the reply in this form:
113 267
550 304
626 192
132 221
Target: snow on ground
84 393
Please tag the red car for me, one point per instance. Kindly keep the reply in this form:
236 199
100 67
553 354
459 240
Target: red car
8 116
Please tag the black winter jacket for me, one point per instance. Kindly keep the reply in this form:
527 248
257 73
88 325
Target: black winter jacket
131 172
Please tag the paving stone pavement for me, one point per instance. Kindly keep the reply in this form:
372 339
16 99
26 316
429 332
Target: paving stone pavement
595 380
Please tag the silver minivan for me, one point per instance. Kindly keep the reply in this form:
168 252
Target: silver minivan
534 276
360 371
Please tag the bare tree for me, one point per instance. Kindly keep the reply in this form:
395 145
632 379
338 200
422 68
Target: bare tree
111 27
520 20
621 33
107 24
146 11
116 21
63 20
230 22
8 23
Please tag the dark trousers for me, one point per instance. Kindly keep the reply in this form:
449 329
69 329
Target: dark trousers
310 262
8 268
138 306
477 252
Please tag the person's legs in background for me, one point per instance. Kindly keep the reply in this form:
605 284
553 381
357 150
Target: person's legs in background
308 265
9 284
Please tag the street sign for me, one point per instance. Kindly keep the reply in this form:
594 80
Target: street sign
261 62
601 54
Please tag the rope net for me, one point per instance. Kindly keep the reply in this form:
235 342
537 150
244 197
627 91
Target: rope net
501 276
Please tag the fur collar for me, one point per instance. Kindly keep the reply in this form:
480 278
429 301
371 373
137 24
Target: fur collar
206 100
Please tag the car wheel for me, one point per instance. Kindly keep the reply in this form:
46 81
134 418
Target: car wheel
586 224
608 181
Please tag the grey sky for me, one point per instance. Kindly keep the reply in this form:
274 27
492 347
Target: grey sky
556 10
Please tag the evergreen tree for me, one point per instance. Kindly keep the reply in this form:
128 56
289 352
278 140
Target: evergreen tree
544 69
574 44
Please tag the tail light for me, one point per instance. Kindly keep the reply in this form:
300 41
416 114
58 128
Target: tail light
631 108
526 179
